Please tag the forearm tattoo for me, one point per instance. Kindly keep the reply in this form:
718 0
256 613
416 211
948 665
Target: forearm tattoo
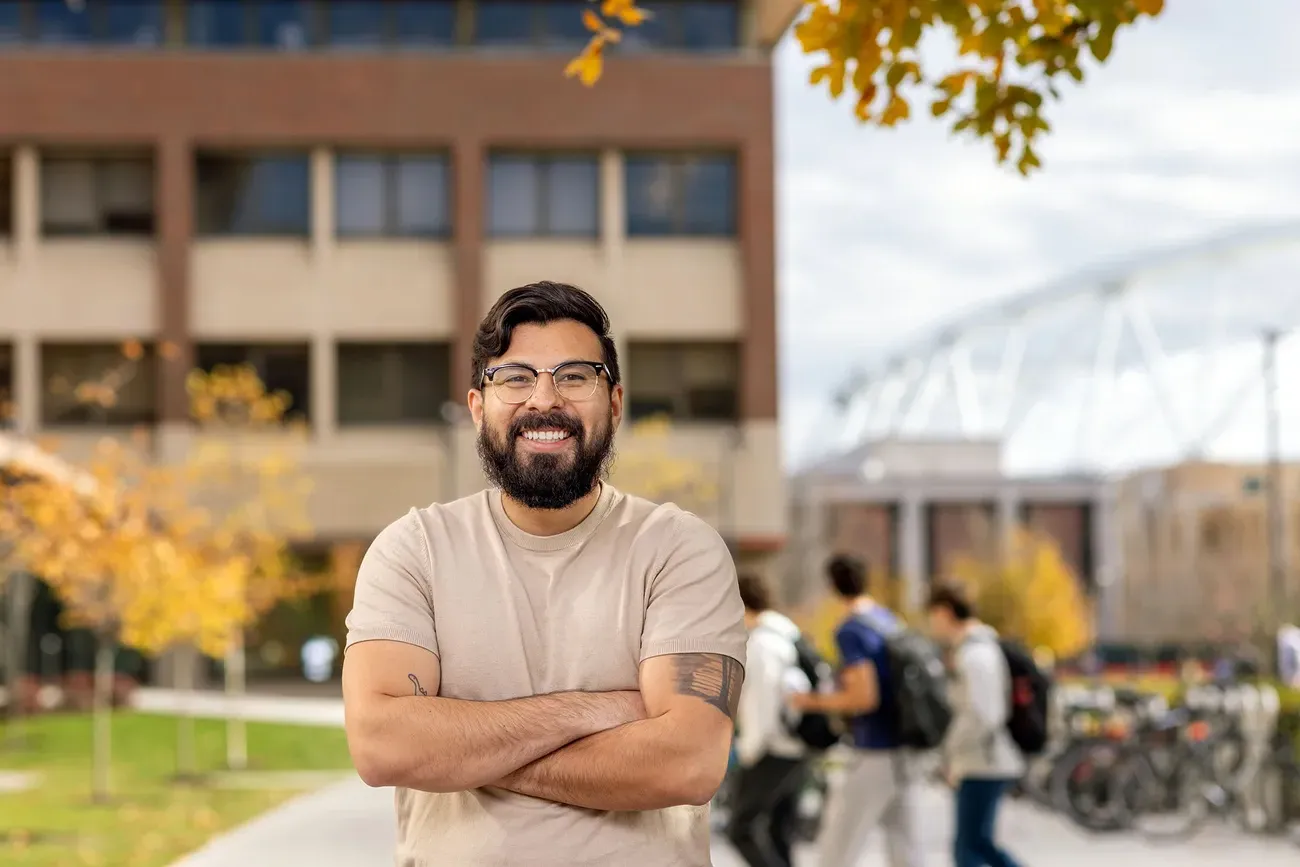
712 677
415 681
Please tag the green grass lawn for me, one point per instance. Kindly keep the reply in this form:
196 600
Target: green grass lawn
151 821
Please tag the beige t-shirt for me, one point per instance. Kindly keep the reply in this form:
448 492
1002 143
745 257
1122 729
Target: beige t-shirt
511 615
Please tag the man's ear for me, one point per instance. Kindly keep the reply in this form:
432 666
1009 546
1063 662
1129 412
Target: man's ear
474 400
616 406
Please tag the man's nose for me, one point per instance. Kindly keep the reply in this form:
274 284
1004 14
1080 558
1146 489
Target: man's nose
544 395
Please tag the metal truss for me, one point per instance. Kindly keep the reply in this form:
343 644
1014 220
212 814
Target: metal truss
1152 360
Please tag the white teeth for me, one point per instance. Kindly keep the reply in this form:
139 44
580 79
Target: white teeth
546 436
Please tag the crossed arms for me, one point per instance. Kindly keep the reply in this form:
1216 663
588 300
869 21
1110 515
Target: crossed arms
662 745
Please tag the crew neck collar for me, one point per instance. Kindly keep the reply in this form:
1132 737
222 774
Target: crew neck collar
575 536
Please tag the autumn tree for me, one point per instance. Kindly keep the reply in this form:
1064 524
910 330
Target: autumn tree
650 464
163 557
990 66
1029 592
245 469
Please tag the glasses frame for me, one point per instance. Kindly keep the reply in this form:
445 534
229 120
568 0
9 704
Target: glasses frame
600 366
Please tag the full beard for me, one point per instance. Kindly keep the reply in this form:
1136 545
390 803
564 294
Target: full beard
543 480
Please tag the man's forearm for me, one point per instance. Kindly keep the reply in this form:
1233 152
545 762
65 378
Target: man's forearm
643 765
449 745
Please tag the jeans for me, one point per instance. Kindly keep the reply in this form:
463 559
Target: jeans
977 813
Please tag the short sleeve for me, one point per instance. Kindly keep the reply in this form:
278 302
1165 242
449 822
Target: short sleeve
857 644
393 601
693 604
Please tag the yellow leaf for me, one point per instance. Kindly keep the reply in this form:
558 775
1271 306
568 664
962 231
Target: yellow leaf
592 21
588 65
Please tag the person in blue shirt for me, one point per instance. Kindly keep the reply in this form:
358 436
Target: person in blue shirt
879 787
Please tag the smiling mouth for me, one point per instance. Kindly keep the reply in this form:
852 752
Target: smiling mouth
546 436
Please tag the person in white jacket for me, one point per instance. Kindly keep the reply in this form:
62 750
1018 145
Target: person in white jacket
773 762
980 758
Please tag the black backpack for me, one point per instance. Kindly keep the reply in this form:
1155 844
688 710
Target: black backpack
817 730
918 683
1031 691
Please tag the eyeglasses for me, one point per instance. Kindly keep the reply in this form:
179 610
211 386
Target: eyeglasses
574 380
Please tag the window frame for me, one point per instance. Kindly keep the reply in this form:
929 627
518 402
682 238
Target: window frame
8 380
669 13
540 37
676 351
678 163
99 163
313 22
257 353
542 163
114 416
201 232
392 358
97 17
391 36
390 162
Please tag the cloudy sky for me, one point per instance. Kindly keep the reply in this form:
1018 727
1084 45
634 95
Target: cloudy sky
1191 129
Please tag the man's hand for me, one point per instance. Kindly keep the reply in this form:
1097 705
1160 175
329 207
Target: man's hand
402 733
803 701
676 755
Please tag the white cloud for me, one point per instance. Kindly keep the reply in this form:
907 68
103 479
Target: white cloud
1193 127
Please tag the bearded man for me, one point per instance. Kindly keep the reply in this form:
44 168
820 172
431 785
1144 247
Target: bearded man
546 671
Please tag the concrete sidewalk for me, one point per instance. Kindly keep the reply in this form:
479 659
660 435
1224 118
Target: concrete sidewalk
349 824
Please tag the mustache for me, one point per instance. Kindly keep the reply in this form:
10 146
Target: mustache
546 421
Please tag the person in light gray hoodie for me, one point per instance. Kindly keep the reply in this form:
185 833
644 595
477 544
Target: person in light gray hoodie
981 760
773 762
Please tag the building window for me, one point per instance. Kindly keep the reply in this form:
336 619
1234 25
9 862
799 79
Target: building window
73 375
90 22
7 408
680 195
543 195
521 24
393 383
685 381
687 25
391 195
285 25
281 367
96 195
396 23
265 194
6 193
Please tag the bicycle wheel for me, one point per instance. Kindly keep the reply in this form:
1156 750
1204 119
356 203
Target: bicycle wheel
1168 803
1082 786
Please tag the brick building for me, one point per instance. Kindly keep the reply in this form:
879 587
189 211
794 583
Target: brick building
335 192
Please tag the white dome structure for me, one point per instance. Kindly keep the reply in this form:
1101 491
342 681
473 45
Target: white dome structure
1149 361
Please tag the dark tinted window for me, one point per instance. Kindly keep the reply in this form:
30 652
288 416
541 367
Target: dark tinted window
391 194
544 24
393 383
67 367
281 367
543 195
267 194
680 194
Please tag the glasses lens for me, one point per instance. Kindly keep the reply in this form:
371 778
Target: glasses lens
514 384
576 381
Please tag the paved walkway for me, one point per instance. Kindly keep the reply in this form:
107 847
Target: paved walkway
349 824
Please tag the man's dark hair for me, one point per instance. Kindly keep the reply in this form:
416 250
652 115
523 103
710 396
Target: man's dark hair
952 597
541 303
755 593
848 575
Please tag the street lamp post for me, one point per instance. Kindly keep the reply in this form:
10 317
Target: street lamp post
1276 504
